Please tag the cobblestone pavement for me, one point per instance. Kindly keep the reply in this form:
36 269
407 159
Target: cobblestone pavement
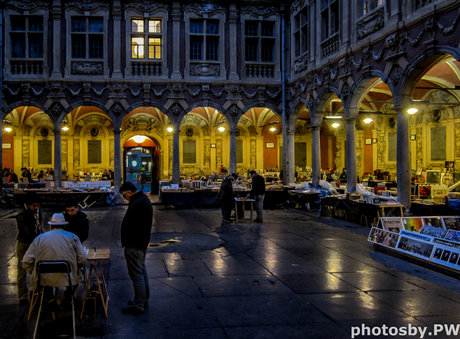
297 275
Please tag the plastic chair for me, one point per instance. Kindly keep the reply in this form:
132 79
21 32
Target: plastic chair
53 266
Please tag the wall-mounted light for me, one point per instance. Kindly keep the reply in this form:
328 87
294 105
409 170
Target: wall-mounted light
273 129
8 129
412 110
368 120
221 128
170 129
335 124
64 126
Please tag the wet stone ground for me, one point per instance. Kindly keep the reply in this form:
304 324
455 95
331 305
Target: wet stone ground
297 275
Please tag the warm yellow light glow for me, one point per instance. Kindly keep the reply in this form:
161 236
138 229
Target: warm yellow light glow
368 120
273 129
139 139
169 129
8 129
221 128
412 110
335 124
65 128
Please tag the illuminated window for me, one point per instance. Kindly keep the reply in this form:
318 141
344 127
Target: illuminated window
146 32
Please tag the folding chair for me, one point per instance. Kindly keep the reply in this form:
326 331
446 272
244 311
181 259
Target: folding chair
53 266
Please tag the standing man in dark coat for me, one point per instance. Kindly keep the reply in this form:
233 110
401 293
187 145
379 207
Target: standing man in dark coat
226 198
258 193
135 237
29 225
78 223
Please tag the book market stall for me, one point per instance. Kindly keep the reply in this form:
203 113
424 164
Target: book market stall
433 240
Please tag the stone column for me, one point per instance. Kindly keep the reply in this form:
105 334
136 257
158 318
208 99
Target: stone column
232 166
117 160
176 157
117 13
57 158
56 15
403 169
351 155
233 18
289 161
176 19
316 155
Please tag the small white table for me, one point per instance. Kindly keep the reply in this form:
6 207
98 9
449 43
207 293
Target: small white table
243 200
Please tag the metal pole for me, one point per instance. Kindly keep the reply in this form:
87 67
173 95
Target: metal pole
283 90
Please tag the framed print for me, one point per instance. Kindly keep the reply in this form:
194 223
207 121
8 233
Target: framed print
374 140
6 145
413 137
269 145
392 224
213 145
368 141
383 237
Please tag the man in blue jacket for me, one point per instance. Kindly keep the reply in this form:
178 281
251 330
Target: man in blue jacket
135 238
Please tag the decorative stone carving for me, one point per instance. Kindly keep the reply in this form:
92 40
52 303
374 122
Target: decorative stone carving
87 68
345 91
26 5
146 6
204 8
370 24
218 153
301 64
111 152
176 109
141 124
457 140
207 153
64 154
258 10
204 70
86 5
56 108
419 147
117 109
253 153
25 153
76 153
170 155
449 29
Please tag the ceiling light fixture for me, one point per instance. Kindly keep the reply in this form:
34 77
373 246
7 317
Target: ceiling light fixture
65 128
8 129
221 128
335 124
139 139
273 129
412 110
169 129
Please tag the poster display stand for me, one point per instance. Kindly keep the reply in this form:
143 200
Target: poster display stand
434 240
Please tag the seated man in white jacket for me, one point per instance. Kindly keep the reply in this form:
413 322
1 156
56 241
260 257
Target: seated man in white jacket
56 244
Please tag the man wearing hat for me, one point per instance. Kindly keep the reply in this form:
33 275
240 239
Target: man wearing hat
56 244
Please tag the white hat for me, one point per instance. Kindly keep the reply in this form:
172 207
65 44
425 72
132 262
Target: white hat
58 219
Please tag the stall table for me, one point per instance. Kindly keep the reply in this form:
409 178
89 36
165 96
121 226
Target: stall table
61 196
301 198
201 198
